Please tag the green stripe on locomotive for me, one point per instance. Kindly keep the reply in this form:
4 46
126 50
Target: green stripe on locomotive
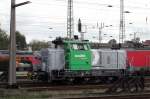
77 55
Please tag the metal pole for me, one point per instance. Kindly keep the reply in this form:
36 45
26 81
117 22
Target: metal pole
12 55
134 35
100 36
70 20
122 23
82 35
12 50
100 32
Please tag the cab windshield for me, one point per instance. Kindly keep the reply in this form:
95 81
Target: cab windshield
79 46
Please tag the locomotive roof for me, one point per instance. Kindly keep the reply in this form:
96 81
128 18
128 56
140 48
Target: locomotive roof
76 41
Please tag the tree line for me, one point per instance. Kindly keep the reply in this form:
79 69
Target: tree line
4 40
21 43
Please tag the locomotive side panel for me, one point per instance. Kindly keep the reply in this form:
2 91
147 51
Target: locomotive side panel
108 59
96 59
56 59
52 59
122 57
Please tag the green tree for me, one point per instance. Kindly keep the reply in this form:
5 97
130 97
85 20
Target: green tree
20 41
4 40
37 45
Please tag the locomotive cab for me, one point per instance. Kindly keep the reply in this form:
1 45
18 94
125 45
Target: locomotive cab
77 55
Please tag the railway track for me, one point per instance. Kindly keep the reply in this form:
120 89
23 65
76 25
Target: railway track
83 91
66 87
40 86
120 96
57 86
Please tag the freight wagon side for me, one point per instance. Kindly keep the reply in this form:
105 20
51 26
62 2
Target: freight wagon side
138 60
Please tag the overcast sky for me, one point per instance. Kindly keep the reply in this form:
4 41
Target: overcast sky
35 19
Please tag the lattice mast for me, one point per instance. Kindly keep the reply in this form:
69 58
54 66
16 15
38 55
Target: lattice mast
122 23
70 20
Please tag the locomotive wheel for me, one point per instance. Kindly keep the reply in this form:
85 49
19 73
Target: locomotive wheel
109 80
85 80
78 80
69 81
98 80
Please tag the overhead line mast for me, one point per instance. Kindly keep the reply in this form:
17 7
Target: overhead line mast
122 23
12 50
70 20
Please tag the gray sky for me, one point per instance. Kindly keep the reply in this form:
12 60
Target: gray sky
33 20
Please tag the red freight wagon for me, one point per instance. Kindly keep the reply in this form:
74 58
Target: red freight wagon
138 58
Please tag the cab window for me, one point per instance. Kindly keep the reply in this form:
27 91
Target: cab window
75 46
79 46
